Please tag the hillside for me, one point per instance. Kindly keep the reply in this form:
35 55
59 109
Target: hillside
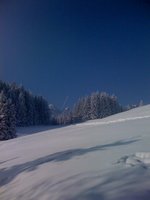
104 159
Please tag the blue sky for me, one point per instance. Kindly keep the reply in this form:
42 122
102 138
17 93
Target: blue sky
59 48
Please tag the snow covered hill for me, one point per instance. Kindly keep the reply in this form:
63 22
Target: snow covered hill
104 159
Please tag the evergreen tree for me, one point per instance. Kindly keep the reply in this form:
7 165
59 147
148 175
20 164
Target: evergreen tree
78 110
22 109
141 103
7 118
87 108
95 105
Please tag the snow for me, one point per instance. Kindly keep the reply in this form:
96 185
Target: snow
107 159
114 121
140 158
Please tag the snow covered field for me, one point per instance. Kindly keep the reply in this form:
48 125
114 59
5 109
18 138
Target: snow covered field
104 159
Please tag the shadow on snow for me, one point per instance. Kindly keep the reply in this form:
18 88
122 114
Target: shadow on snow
8 174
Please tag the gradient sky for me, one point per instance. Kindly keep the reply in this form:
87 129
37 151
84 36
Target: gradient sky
60 48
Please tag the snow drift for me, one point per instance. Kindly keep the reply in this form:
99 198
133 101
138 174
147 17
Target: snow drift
106 159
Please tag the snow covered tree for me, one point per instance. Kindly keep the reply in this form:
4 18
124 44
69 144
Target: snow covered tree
87 108
65 117
78 110
7 118
141 103
95 105
22 109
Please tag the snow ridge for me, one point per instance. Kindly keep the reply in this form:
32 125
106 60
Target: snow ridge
114 121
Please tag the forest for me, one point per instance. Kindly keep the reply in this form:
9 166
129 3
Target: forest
20 108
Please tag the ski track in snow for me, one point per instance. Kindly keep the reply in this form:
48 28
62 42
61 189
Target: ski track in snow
113 121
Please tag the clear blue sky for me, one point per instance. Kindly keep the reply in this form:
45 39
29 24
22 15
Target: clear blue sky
59 48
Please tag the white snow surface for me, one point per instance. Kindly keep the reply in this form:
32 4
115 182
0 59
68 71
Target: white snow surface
106 159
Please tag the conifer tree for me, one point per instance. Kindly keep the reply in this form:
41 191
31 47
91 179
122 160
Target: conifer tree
7 118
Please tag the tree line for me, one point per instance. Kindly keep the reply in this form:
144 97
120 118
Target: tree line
95 106
19 107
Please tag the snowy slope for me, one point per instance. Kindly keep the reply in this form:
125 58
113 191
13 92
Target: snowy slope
104 159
